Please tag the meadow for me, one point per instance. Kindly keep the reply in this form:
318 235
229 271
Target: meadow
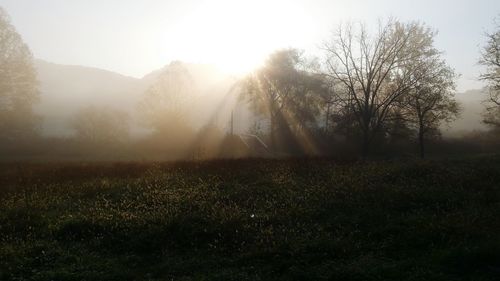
255 219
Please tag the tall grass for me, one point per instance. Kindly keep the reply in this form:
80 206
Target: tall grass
296 219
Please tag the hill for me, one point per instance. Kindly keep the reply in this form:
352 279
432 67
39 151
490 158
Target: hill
67 88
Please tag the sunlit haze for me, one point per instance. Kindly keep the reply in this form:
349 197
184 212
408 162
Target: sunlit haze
136 37
235 35
249 140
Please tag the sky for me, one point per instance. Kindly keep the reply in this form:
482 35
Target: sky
135 37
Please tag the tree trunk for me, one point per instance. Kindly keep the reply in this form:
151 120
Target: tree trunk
365 149
366 132
272 132
421 145
327 119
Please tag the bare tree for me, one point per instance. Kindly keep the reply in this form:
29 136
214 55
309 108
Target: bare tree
490 58
18 85
431 101
377 71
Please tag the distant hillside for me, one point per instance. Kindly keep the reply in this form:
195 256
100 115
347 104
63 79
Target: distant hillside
203 74
67 88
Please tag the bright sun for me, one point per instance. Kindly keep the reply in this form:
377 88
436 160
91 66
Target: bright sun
237 36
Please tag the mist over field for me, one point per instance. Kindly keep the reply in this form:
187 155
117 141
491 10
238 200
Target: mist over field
215 98
92 86
255 140
351 88
96 87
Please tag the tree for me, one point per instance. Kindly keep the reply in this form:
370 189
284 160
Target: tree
18 84
284 91
376 71
490 58
165 104
491 116
101 125
431 101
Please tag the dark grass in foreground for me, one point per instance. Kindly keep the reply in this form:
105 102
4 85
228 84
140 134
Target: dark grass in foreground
251 220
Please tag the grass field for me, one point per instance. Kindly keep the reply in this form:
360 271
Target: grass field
297 219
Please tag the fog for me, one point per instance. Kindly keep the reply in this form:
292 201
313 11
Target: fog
249 140
389 92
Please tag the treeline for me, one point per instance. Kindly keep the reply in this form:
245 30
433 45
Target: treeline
381 91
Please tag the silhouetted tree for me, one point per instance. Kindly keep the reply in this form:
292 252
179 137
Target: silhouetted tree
18 85
376 71
490 58
431 100
101 125
284 91
398 129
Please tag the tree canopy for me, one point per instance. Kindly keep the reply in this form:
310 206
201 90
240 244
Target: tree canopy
285 91
490 58
377 71
18 84
165 105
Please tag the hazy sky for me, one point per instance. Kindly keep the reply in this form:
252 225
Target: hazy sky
134 37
